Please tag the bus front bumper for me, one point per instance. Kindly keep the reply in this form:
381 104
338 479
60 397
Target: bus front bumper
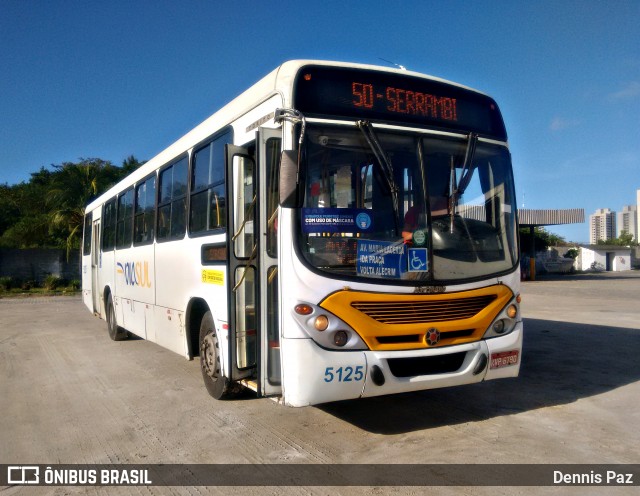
400 372
323 376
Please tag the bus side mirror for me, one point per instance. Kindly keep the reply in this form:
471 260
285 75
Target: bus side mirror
290 196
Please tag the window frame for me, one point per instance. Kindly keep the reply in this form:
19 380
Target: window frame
226 135
87 234
127 243
109 223
145 210
173 200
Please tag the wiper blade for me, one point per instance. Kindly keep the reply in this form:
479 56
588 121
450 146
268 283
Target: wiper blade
457 190
465 174
382 158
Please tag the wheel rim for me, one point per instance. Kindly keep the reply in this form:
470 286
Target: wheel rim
208 352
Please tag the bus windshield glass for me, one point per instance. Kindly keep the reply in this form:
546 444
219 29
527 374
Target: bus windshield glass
410 209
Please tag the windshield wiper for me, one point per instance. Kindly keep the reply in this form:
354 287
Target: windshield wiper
457 190
382 158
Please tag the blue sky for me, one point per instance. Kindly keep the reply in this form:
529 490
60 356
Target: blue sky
109 79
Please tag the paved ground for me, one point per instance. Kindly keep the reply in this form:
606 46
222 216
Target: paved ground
70 395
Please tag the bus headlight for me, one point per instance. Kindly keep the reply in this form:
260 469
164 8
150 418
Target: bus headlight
326 329
321 323
504 323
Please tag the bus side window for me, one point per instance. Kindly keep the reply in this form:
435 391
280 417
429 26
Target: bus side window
86 244
109 225
124 228
208 201
172 201
144 211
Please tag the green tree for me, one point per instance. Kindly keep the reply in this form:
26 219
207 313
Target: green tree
48 211
25 213
625 239
73 185
9 209
130 164
542 238
572 253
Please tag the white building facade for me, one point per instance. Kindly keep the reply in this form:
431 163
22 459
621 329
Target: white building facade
637 207
627 220
604 258
602 225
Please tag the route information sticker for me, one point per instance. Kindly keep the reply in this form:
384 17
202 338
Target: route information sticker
381 259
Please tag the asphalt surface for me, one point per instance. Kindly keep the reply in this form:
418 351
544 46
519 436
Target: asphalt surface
68 394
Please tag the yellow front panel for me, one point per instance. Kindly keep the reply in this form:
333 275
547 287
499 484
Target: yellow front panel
401 321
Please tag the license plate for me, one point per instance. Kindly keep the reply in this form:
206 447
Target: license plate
504 359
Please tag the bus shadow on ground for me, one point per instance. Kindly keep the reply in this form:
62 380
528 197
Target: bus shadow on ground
562 362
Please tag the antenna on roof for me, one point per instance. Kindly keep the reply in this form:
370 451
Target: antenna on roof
401 67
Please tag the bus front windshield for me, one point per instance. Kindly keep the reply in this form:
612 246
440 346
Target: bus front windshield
408 209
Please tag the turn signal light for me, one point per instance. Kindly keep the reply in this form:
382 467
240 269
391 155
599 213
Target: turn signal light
512 311
303 309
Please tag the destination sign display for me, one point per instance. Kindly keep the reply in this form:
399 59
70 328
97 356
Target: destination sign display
374 95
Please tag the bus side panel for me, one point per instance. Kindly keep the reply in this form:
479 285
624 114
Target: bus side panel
87 277
168 329
179 278
128 280
176 273
106 279
173 282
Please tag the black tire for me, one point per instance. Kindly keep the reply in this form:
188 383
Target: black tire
116 333
216 383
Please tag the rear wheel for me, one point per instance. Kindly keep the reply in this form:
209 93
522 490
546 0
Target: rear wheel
116 332
216 383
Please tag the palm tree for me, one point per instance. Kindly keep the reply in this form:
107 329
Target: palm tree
72 187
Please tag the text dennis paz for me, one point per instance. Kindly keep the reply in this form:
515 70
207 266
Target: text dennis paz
609 477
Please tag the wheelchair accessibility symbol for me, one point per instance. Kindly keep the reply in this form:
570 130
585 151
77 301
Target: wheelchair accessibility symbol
418 261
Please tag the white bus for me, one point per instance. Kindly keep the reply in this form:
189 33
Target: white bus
337 231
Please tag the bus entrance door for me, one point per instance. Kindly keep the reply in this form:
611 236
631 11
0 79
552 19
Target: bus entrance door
268 151
253 264
95 266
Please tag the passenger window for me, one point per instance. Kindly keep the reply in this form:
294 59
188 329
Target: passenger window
109 225
86 244
208 195
172 203
124 228
145 211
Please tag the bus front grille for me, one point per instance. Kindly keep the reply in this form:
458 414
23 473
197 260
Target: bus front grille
394 321
413 312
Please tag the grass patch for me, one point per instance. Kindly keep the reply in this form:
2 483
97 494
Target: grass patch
51 286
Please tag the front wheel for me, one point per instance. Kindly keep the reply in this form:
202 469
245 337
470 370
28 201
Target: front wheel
116 332
216 383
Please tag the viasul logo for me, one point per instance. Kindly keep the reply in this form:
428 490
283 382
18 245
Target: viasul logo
135 273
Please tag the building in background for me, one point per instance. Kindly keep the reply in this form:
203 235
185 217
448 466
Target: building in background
602 225
637 218
627 220
604 258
